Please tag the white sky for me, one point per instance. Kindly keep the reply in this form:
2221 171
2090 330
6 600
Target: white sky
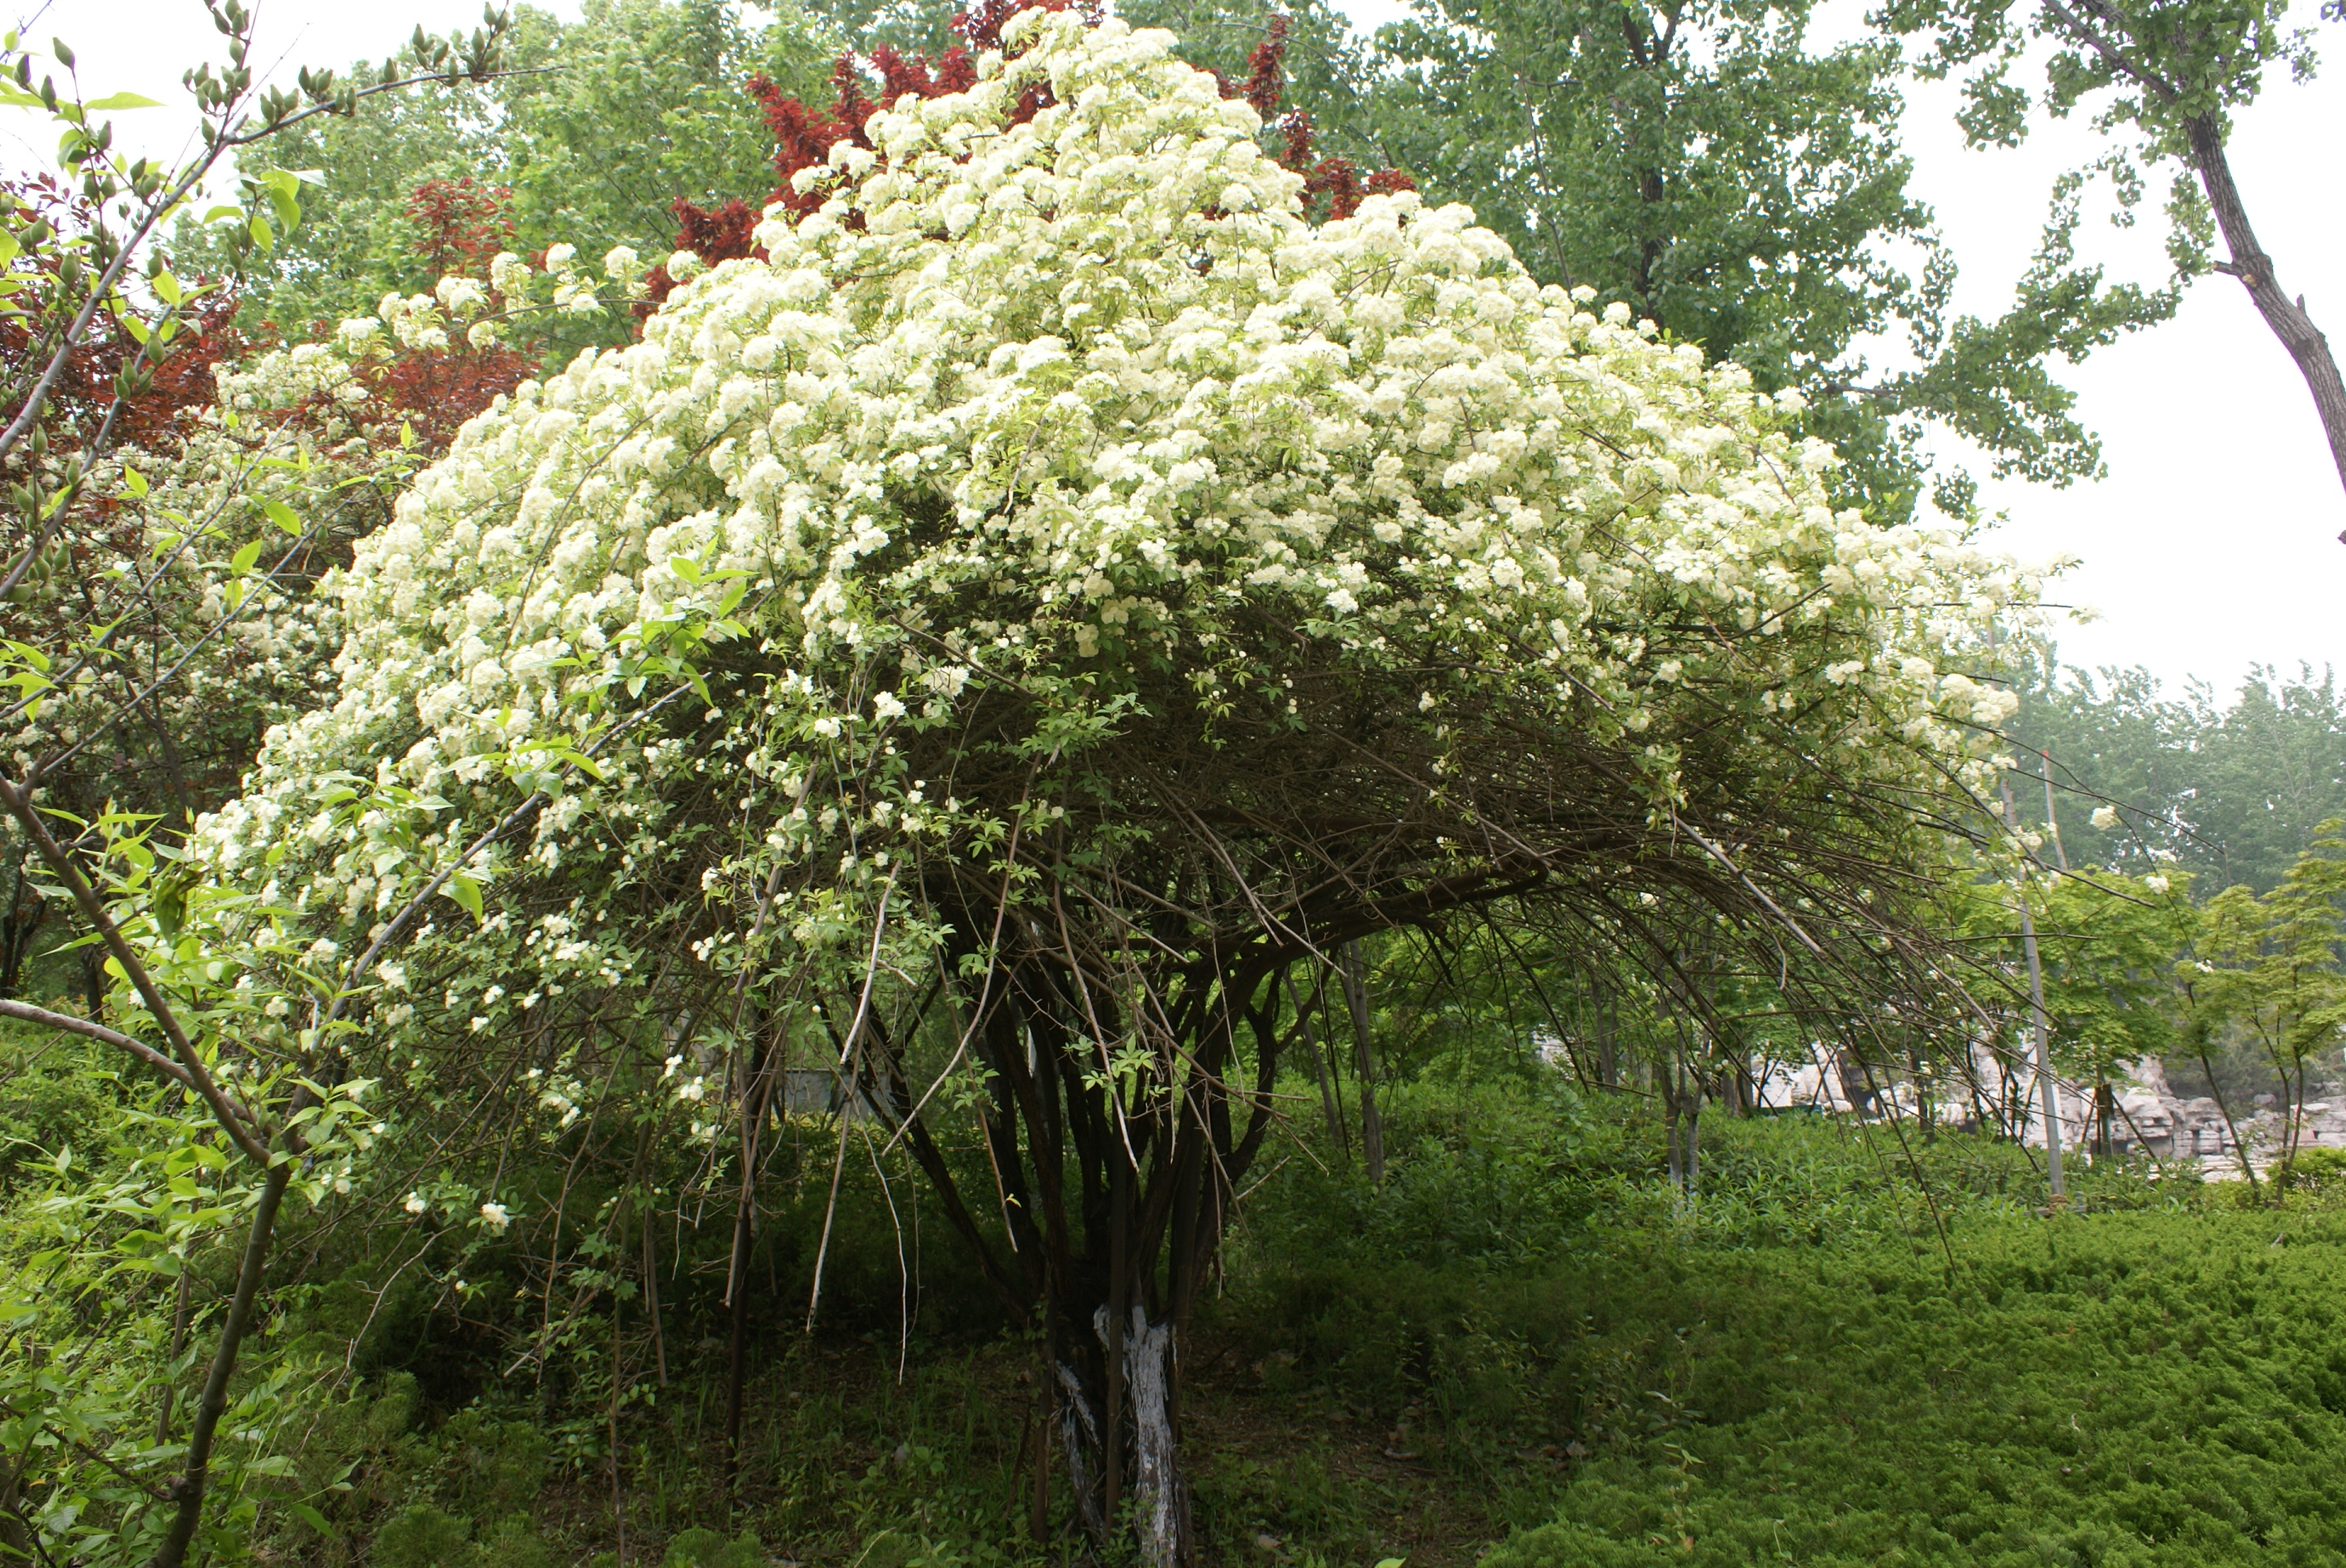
2212 544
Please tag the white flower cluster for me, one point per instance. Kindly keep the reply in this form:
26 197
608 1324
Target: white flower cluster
1099 367
485 314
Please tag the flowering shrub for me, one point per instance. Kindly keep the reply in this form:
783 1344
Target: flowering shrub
1056 565
1376 425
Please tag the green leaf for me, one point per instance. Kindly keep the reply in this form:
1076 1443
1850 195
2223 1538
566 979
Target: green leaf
114 101
262 235
134 482
284 196
241 562
166 287
310 1517
465 891
283 516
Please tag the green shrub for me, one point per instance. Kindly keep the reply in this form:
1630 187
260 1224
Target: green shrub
2125 1390
2320 1172
422 1536
707 1549
490 1467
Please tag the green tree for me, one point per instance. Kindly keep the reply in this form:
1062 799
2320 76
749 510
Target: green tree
640 104
604 124
2163 79
2108 946
2230 792
2269 966
1745 189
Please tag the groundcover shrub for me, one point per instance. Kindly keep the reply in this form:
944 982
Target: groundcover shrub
2118 1390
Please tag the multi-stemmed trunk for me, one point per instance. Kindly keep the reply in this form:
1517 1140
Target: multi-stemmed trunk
1113 1185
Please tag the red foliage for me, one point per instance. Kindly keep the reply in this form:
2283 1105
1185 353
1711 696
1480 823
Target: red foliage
1266 71
1339 180
718 235
981 26
435 391
461 225
805 136
84 389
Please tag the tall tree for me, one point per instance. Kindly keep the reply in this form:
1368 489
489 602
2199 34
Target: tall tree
2230 790
1744 189
2164 78
604 124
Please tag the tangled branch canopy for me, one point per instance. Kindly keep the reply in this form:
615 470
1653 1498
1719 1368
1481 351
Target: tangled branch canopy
1055 511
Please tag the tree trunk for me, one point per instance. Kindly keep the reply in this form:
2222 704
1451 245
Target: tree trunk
1694 1143
15 1537
178 1349
1372 1130
651 1299
736 1272
1160 1501
1608 1062
188 1490
1671 1160
2254 268
1334 1113
1116 1187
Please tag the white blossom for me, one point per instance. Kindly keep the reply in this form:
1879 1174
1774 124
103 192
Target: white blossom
1140 400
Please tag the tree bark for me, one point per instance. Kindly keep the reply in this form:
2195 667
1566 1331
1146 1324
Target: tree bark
1673 1163
188 1491
2254 268
1160 1501
651 1299
1694 1143
178 1349
1608 1048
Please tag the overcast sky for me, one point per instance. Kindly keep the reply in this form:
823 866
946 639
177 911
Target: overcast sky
2211 547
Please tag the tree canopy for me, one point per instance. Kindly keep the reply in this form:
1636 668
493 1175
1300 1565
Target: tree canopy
1058 567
